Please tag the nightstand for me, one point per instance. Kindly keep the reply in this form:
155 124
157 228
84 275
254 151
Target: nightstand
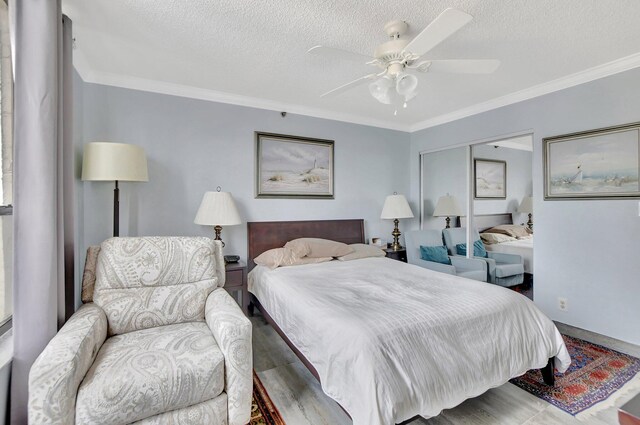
400 255
236 281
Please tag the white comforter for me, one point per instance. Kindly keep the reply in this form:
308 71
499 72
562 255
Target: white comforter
391 340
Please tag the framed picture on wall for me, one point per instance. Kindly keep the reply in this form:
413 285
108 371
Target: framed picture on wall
293 167
490 179
596 164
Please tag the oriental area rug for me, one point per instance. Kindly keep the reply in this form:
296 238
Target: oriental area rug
263 411
597 376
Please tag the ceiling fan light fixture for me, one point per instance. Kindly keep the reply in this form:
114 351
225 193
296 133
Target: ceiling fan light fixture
411 95
406 84
380 88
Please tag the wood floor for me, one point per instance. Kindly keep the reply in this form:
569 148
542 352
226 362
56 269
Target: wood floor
300 400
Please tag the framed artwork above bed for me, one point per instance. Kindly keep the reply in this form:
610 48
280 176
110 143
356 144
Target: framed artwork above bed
293 167
490 179
595 164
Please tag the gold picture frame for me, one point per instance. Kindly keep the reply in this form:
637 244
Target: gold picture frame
293 167
595 164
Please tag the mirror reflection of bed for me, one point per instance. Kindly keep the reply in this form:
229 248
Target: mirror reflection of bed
498 236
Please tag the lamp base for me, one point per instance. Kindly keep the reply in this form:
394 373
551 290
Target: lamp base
218 230
448 223
396 235
116 211
530 222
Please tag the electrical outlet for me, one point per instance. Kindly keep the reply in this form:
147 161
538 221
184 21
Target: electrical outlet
563 304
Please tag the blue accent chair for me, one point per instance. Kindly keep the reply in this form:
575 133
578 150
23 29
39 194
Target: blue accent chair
460 266
504 269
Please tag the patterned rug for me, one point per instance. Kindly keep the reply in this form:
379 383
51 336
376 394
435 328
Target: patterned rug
263 411
595 374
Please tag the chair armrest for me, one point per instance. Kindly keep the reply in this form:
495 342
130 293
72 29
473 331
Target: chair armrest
468 264
232 331
56 374
432 265
501 257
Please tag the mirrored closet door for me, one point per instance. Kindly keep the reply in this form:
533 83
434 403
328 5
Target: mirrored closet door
491 181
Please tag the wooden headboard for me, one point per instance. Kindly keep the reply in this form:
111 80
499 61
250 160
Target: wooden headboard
486 221
265 235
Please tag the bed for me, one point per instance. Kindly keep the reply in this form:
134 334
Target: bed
523 247
390 341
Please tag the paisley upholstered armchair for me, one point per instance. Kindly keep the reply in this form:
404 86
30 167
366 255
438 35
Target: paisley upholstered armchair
157 341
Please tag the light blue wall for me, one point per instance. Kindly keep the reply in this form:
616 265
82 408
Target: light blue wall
585 251
194 146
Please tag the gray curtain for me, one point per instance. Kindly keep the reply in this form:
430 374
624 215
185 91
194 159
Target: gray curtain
43 179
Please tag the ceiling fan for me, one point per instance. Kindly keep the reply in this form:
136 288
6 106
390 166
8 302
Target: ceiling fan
399 56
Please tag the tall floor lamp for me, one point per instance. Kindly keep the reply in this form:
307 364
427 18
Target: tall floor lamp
106 161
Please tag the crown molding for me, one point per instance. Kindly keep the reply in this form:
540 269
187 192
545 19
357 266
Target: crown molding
614 67
134 83
154 86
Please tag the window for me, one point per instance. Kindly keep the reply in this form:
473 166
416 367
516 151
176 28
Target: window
6 172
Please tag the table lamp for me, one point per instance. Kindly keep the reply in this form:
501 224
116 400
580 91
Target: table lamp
396 207
106 161
526 207
217 209
448 207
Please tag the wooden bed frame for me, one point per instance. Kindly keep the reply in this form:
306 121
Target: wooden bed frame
263 236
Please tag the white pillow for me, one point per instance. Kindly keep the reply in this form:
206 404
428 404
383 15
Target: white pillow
278 257
494 238
319 248
308 260
361 250
275 257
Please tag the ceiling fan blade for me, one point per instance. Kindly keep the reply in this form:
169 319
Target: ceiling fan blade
343 88
447 23
330 52
464 66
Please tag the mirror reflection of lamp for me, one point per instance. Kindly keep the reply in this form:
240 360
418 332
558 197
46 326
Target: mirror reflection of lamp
526 207
448 207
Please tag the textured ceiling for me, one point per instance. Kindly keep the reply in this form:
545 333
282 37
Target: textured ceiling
258 48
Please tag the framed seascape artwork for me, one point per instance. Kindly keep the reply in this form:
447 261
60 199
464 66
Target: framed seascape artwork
490 177
293 167
596 164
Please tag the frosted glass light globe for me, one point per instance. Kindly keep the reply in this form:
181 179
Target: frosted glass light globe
406 83
379 89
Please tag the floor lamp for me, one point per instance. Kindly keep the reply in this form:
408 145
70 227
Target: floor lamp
106 161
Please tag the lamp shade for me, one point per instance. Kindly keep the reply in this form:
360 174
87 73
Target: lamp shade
396 206
526 206
447 206
217 209
106 161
